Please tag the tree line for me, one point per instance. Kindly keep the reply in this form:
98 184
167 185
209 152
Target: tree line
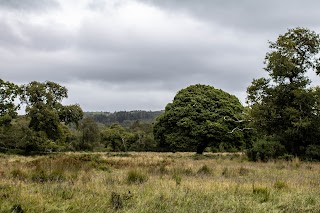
49 126
281 118
125 118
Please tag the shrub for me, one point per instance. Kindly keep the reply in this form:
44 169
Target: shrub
265 149
313 152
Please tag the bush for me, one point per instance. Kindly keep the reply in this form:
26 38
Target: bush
265 149
313 152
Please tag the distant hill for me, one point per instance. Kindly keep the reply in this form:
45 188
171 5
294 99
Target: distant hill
124 117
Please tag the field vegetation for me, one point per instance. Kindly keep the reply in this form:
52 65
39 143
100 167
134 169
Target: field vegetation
156 182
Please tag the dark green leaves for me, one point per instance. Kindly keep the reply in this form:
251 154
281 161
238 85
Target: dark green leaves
195 118
285 106
9 93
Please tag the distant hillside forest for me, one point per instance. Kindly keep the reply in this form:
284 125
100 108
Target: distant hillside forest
125 118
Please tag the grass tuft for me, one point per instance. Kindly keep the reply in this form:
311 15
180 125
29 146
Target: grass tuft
261 193
280 185
136 177
204 170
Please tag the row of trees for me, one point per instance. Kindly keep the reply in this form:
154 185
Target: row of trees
285 108
283 113
125 118
50 126
45 124
282 117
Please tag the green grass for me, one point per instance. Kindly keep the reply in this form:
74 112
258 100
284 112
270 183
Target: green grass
156 182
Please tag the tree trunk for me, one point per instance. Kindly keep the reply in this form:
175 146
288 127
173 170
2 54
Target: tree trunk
124 144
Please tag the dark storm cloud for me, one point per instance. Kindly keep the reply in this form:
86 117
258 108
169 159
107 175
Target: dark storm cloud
28 5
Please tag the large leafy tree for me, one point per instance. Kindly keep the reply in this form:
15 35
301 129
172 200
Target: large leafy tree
9 92
45 109
199 116
285 106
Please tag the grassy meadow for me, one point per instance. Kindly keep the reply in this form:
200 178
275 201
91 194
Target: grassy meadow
156 182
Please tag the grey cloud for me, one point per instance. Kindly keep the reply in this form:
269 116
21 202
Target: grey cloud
48 38
108 64
28 5
256 16
96 4
7 36
34 37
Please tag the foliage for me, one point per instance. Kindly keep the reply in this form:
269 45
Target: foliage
285 106
90 134
313 152
45 109
9 92
196 119
144 140
118 138
265 149
124 117
43 129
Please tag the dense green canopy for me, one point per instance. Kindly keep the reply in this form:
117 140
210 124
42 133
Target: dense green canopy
285 106
199 116
45 109
9 92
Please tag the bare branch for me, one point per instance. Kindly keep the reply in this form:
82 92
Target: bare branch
238 129
236 121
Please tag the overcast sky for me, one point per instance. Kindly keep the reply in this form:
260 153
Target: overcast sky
117 55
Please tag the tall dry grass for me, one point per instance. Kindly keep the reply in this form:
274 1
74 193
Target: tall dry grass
156 182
